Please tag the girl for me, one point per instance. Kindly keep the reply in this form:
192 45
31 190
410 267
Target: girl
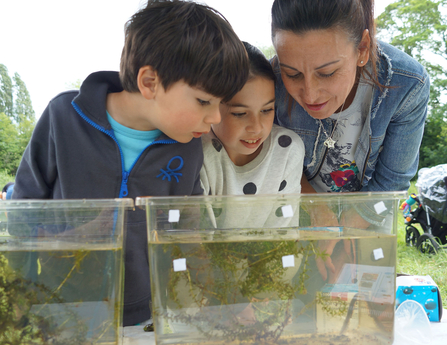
246 153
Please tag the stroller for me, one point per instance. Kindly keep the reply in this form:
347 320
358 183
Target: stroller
430 212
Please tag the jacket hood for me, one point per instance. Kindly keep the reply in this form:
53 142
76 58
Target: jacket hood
96 86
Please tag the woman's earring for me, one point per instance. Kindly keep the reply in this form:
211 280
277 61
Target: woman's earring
361 62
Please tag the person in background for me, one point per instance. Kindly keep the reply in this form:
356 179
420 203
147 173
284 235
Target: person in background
7 191
137 132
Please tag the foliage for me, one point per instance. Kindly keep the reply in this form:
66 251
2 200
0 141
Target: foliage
5 178
434 143
269 52
23 110
6 104
17 120
419 28
13 140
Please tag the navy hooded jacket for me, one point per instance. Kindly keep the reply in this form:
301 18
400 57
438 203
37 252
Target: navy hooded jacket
73 154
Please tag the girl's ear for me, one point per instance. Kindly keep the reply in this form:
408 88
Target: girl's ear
148 81
364 48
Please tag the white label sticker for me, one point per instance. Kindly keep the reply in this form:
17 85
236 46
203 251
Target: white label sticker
288 261
287 211
380 207
378 253
174 216
179 265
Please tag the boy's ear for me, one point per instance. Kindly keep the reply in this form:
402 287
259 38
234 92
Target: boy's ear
148 81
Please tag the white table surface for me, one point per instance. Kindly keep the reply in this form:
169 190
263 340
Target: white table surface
135 335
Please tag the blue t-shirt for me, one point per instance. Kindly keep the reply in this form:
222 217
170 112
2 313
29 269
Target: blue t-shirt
132 141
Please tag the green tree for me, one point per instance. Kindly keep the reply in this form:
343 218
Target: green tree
419 28
23 109
6 91
17 120
10 146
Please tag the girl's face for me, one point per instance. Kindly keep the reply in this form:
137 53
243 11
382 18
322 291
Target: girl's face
247 120
319 68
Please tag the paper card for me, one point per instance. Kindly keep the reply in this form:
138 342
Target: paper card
288 261
287 211
179 265
174 216
378 254
380 207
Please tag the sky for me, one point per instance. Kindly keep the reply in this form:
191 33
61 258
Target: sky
52 44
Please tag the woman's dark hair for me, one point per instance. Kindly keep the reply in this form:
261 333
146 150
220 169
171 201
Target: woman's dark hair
183 40
259 65
350 16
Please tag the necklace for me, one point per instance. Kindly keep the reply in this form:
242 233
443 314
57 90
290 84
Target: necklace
329 142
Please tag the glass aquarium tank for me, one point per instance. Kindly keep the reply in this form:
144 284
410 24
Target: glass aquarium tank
273 269
62 271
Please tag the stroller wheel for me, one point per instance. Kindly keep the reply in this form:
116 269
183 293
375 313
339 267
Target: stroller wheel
412 236
427 244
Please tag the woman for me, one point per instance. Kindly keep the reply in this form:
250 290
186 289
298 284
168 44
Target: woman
331 70
359 105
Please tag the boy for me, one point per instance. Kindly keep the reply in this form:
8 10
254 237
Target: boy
137 133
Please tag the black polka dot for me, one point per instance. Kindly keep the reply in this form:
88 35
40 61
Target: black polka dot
217 211
217 145
282 185
284 140
278 212
250 188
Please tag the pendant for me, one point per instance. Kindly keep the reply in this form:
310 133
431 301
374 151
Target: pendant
329 143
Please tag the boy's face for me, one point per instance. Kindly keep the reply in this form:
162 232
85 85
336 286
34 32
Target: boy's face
184 112
247 120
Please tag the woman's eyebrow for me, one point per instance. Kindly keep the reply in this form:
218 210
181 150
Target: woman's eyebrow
287 66
327 64
319 67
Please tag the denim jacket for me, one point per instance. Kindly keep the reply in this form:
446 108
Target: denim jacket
387 152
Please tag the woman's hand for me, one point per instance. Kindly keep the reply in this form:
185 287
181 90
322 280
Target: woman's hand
330 262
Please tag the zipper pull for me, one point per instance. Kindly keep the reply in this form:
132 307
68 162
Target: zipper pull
124 192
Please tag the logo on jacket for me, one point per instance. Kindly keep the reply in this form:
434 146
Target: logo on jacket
169 172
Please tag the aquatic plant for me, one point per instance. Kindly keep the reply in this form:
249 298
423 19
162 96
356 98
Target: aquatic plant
19 324
229 274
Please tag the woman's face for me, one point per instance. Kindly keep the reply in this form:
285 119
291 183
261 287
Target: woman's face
319 68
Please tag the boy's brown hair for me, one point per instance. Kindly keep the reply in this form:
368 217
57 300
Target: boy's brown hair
184 41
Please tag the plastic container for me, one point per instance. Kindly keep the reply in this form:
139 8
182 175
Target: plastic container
412 325
62 271
252 269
